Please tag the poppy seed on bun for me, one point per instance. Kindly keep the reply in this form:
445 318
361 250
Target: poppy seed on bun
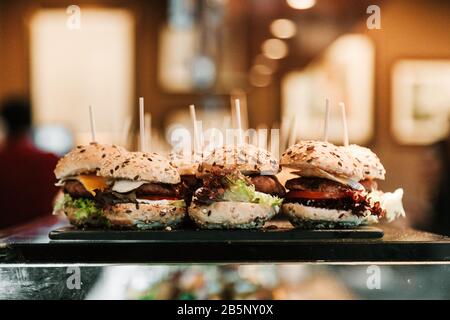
372 167
139 166
308 156
246 158
85 159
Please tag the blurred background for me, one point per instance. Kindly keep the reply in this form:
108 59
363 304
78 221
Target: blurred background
389 61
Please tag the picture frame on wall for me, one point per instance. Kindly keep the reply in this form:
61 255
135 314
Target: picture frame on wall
420 101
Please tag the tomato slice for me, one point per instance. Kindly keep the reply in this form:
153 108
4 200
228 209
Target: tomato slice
314 195
156 197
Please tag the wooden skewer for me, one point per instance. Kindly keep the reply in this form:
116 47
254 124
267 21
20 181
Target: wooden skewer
148 130
344 123
141 124
327 119
238 121
197 139
92 122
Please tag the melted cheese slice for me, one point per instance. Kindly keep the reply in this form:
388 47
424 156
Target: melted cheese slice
92 183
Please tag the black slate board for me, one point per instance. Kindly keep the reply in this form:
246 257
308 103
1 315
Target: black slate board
274 231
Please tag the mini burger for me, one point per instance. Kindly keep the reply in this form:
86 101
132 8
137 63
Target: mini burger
335 187
239 189
144 192
107 186
78 175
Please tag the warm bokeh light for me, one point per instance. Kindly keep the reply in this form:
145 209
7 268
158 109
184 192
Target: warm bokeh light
275 49
262 69
258 79
261 59
283 28
301 4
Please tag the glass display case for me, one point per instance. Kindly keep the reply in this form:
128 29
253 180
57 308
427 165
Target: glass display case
403 264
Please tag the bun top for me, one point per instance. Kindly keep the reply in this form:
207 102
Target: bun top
372 167
246 158
139 166
318 158
85 159
184 163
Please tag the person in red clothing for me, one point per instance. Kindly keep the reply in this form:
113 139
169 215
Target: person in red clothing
27 182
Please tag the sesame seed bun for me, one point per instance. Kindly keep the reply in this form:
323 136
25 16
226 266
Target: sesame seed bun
306 217
139 166
85 159
372 167
309 158
130 216
246 158
231 215
144 216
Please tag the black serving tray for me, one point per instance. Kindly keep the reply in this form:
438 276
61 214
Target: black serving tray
280 242
273 231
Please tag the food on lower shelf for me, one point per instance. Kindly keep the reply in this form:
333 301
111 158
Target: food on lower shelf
107 186
207 282
336 186
239 189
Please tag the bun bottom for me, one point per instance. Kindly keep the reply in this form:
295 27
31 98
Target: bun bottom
144 216
305 217
131 216
231 215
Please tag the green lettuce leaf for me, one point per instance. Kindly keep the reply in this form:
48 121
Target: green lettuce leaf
85 209
239 191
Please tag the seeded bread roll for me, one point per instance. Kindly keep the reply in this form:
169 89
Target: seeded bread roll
231 215
246 158
309 158
144 216
306 217
85 159
372 167
139 166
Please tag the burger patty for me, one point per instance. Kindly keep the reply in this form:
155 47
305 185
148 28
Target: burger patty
268 184
315 185
325 185
76 189
159 189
